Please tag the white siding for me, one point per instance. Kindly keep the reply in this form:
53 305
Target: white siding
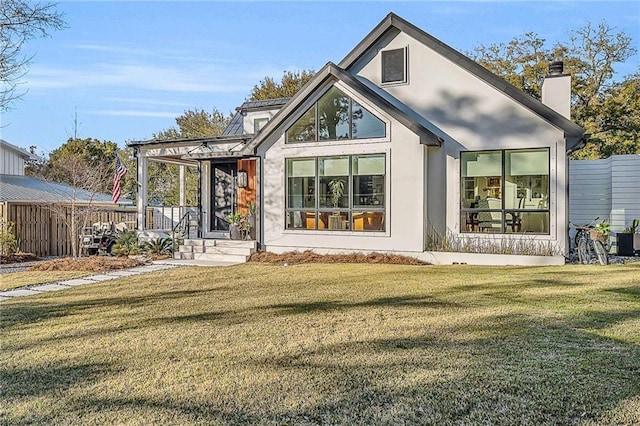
12 162
608 189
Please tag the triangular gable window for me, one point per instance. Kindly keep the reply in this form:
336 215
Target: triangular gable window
335 116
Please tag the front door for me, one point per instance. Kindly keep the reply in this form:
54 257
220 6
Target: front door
223 194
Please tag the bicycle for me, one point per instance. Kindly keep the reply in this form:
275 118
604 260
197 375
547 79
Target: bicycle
590 244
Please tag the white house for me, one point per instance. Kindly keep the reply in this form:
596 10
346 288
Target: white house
404 142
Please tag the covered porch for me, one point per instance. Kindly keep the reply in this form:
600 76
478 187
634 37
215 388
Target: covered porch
226 185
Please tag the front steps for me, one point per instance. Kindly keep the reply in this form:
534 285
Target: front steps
236 251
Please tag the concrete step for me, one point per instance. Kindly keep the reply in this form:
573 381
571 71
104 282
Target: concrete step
217 257
237 251
232 243
244 251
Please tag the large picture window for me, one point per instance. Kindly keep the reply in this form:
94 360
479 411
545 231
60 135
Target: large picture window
335 116
505 191
336 193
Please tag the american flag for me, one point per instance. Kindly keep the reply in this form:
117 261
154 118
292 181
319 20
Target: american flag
119 173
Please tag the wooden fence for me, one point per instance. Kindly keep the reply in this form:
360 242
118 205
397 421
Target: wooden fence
44 229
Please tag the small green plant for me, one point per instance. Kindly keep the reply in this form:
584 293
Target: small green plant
8 240
126 245
633 228
235 218
604 228
336 188
251 207
158 246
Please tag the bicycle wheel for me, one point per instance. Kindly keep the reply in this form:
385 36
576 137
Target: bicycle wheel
584 251
601 252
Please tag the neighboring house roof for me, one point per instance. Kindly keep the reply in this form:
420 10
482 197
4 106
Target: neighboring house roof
21 151
235 126
573 133
429 134
27 189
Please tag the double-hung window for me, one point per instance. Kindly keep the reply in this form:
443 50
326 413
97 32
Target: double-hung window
505 191
336 193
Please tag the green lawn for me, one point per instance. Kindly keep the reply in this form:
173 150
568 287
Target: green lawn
329 344
25 278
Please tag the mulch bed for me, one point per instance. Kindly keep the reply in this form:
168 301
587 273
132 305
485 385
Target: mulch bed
18 258
296 257
92 264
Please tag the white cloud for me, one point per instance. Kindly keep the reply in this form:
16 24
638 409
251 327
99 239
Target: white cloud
174 76
134 113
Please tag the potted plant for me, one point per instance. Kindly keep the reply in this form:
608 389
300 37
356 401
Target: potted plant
235 220
251 220
626 243
336 189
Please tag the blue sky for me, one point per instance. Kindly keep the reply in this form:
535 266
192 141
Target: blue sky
127 69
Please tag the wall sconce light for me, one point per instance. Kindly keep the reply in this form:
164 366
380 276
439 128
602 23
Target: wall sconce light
243 179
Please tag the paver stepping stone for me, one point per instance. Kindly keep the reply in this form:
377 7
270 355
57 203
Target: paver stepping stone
102 277
50 287
77 281
121 273
20 292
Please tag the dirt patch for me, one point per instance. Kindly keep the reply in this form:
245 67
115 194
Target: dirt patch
18 258
92 263
295 257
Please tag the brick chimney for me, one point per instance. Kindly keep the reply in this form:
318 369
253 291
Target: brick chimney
556 89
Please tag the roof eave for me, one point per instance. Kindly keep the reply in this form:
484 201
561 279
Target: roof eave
394 21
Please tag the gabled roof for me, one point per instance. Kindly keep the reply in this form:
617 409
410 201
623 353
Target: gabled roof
21 151
235 126
429 135
573 132
32 190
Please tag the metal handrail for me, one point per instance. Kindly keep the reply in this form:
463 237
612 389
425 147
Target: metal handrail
185 219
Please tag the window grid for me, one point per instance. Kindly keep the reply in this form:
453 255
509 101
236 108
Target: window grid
348 211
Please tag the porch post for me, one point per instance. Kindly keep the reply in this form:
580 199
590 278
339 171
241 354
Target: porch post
183 189
142 190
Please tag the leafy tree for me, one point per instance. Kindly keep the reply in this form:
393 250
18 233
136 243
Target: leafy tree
616 121
195 124
163 186
91 155
20 21
590 56
290 84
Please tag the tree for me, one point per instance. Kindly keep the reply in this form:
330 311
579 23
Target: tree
616 122
81 164
590 56
90 154
289 85
163 186
21 21
195 124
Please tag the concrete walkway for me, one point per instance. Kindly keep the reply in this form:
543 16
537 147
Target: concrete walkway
104 276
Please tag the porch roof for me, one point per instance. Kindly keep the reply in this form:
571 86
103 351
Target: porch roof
188 150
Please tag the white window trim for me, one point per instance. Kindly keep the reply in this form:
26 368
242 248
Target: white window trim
406 68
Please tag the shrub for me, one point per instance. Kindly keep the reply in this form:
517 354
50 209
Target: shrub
127 244
158 246
8 240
